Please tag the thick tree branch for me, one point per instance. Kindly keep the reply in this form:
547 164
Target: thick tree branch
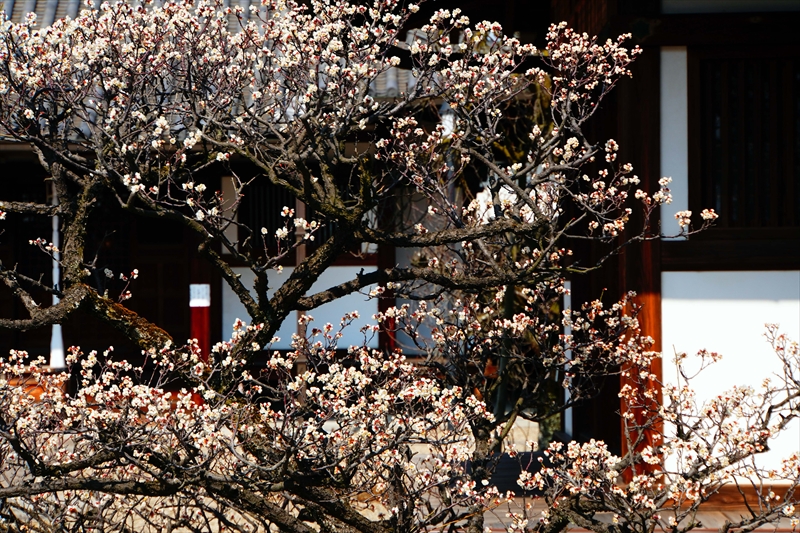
144 488
339 509
140 330
30 207
494 227
398 274
71 300
258 505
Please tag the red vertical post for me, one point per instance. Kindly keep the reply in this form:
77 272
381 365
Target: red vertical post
200 316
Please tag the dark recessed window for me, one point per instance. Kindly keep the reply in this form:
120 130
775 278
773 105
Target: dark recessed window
747 136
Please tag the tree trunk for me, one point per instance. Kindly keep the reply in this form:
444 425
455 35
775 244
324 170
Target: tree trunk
481 458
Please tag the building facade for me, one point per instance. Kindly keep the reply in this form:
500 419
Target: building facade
714 103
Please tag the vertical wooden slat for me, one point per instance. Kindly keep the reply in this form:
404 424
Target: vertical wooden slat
716 163
790 131
778 168
744 138
725 203
710 111
751 144
765 161
697 86
771 193
793 194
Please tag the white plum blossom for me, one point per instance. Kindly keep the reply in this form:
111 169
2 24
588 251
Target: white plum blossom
198 113
684 219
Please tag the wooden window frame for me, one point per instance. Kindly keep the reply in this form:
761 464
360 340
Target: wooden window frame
727 247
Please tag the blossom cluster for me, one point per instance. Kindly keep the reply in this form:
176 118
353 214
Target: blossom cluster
146 105
358 422
680 453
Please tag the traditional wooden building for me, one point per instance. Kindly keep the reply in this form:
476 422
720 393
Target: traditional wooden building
714 103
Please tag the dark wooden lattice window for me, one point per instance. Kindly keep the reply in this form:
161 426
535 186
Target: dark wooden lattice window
23 180
747 138
261 208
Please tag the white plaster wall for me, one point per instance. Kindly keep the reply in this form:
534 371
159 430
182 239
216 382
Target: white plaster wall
405 257
332 312
674 130
233 309
568 414
229 195
725 312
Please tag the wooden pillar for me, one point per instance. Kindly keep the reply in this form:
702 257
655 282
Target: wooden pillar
640 264
200 316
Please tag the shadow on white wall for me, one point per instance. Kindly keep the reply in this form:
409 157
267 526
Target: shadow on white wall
725 312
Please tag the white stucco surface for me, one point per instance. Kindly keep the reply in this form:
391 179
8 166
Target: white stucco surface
725 312
332 312
674 134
